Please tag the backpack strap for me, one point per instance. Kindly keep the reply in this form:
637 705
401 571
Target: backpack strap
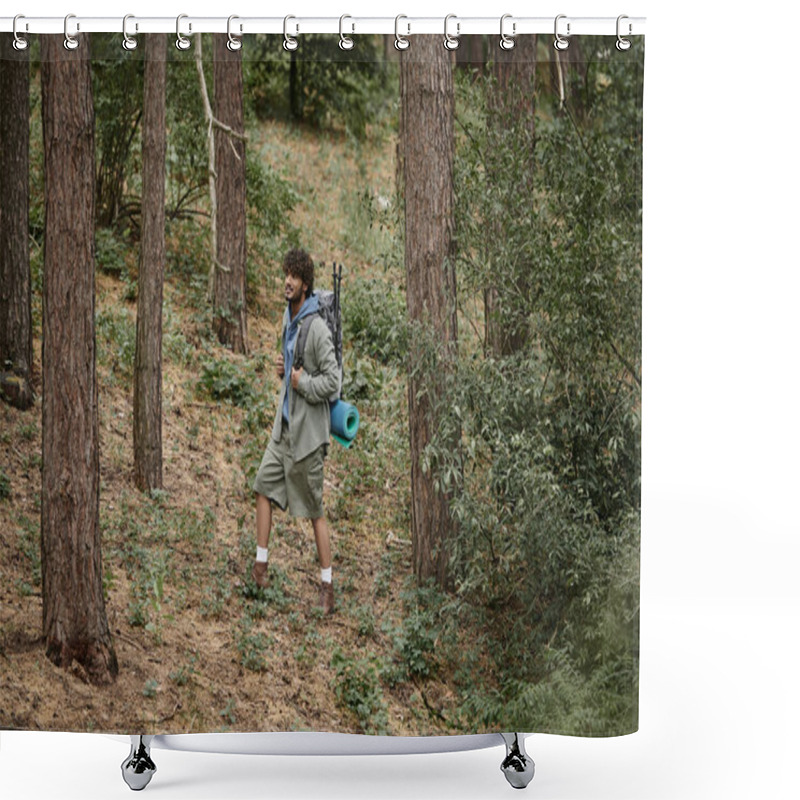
300 344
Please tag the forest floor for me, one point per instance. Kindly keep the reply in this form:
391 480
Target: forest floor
200 648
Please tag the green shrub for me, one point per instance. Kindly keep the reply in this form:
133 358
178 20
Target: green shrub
374 320
226 380
116 340
357 688
252 646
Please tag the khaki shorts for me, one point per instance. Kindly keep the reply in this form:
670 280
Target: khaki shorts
296 485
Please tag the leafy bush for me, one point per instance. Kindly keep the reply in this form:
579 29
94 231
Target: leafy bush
324 87
116 340
374 320
252 646
226 380
544 486
357 688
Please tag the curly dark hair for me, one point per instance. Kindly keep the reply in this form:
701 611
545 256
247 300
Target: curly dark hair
298 264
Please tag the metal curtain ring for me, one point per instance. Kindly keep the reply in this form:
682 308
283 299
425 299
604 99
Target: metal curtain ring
289 43
451 42
182 43
20 43
70 42
234 42
560 43
345 42
623 44
128 42
507 42
401 42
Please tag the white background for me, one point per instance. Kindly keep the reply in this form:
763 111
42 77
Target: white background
719 680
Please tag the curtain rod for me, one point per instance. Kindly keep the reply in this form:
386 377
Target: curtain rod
456 26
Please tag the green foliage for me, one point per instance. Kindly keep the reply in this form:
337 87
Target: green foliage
116 341
187 148
117 87
145 608
227 713
217 591
252 645
357 688
28 535
415 638
265 601
231 381
544 486
374 320
5 485
322 85
112 256
186 673
271 199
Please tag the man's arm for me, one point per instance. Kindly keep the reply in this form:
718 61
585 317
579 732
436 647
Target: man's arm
317 388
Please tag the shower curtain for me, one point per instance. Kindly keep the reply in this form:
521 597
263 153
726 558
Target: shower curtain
485 207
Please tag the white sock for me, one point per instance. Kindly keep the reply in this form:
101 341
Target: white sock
326 575
262 553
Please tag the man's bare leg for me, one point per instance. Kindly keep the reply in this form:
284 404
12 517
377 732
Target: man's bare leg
263 520
263 528
323 539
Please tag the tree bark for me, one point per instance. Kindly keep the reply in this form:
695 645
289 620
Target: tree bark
512 106
74 617
427 109
16 331
230 307
147 446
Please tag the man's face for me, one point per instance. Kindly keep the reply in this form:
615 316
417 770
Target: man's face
294 288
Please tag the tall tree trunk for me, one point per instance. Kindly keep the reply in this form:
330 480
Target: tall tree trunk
16 333
512 105
427 109
74 616
230 308
147 449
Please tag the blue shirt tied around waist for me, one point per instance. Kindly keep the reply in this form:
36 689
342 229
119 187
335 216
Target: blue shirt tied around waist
311 306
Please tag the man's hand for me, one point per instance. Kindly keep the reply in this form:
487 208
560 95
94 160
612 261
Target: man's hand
279 368
296 373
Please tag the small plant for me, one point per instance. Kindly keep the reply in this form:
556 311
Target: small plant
217 592
227 712
273 597
357 688
185 673
145 607
374 318
365 617
116 340
150 688
251 646
28 533
5 486
226 380
28 431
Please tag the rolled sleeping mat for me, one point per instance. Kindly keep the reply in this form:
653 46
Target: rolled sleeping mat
344 422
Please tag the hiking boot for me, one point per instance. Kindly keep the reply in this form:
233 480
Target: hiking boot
326 597
259 574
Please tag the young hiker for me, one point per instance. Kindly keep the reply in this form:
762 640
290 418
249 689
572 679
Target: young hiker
290 475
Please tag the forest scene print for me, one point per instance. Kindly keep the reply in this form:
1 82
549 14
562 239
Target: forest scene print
484 524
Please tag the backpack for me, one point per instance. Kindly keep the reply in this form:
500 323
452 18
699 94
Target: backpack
330 312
